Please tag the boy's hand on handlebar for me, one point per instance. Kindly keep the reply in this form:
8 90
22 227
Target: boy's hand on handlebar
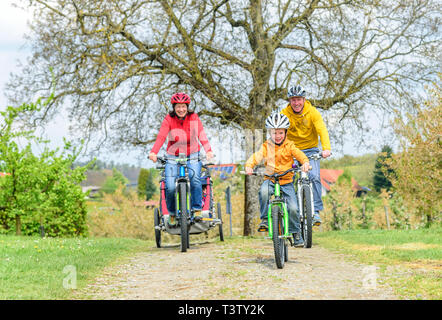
153 157
249 170
326 153
305 167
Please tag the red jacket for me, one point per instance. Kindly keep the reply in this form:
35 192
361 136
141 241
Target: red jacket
184 135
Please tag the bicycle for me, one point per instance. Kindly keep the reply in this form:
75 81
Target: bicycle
185 216
304 190
278 219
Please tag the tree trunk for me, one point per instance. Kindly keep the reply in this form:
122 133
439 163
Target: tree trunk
253 141
17 225
251 202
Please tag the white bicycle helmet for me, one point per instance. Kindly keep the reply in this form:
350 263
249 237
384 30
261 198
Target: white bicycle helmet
277 121
296 91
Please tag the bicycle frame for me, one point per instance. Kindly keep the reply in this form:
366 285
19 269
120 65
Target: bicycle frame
279 201
182 177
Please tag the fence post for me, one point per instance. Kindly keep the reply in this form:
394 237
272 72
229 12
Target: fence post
229 207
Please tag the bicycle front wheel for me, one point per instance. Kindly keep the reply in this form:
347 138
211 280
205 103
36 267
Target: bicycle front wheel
183 217
307 211
278 236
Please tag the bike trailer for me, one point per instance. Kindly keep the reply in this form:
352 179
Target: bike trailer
207 208
207 198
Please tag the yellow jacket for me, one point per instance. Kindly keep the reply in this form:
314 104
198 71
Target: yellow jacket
305 127
277 158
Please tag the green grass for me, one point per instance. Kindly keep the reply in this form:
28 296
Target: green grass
411 260
48 268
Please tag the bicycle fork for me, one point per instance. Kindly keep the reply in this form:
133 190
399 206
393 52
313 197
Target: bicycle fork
278 202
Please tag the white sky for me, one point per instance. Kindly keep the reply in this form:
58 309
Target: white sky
13 26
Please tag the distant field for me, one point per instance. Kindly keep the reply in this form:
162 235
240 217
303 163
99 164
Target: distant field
361 168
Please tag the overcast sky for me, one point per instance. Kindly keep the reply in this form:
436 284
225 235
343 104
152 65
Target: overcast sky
13 26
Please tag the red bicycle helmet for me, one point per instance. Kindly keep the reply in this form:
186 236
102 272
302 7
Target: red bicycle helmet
180 97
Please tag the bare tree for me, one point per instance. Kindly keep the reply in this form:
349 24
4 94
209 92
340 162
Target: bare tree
118 61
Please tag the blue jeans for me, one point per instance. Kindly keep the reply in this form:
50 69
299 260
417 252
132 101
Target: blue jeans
289 194
171 173
315 178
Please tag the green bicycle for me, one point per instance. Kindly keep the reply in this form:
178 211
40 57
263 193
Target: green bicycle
278 219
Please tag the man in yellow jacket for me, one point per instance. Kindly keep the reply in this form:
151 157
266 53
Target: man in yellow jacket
278 153
306 125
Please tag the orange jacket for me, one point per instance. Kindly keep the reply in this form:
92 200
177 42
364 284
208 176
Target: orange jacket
277 158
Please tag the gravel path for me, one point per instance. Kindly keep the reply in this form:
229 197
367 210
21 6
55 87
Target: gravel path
238 269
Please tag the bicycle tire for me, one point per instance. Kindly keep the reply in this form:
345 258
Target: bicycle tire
183 216
221 233
278 230
307 230
156 219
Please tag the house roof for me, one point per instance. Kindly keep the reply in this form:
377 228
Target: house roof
330 176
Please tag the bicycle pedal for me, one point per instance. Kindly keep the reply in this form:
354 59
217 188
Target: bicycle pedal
263 229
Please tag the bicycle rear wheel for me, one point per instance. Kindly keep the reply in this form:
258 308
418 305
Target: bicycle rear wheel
278 240
221 233
307 232
156 219
183 216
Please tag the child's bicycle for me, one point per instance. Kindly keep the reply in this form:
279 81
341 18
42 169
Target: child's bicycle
278 219
186 222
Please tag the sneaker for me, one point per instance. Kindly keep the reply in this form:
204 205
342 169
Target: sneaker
316 219
197 215
171 221
297 240
263 226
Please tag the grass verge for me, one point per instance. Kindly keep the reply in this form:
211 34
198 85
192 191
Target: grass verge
410 260
33 268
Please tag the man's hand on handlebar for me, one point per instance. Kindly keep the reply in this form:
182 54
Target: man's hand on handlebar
153 157
305 167
249 170
326 153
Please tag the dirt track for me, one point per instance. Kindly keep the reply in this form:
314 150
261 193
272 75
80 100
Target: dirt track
238 269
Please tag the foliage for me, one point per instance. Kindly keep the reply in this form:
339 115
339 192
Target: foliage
38 190
112 183
418 164
380 180
340 199
147 186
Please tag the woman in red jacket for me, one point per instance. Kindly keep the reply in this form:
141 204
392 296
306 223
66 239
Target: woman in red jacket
185 132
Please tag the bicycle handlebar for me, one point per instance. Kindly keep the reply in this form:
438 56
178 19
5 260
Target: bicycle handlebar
184 159
275 175
317 156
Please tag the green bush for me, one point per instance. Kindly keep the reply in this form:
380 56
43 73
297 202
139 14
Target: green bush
38 190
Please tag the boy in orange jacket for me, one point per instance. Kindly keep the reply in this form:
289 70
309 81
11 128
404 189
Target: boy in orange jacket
278 153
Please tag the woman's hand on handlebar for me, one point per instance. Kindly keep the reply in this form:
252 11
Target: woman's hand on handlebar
153 157
249 170
209 156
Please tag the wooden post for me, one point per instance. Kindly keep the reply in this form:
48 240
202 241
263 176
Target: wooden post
386 217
